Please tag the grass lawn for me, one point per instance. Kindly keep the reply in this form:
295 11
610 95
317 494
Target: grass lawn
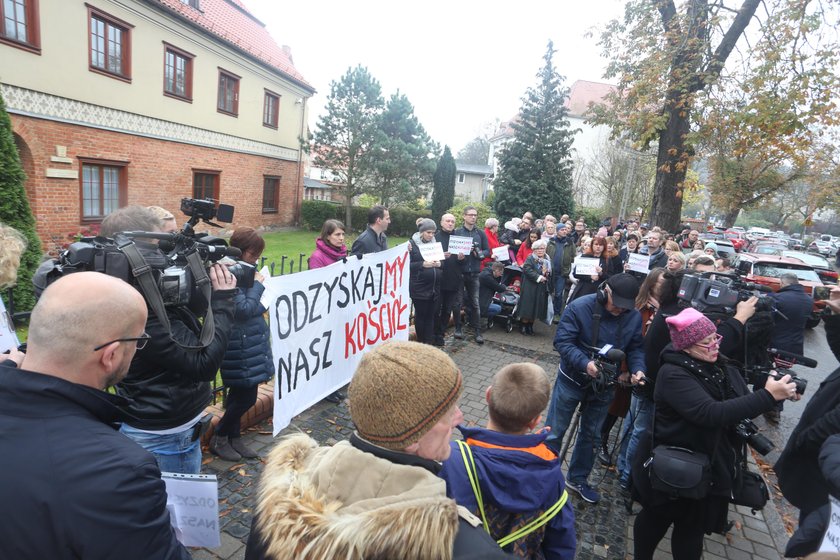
294 242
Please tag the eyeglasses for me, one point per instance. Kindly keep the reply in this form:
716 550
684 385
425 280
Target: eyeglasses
714 344
141 341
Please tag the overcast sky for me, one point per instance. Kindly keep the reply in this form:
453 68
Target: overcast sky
461 63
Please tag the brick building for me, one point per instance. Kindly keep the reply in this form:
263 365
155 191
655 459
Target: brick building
117 102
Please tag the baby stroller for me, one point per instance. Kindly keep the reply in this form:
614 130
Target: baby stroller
508 300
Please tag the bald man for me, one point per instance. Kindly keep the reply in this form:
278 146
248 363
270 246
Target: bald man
78 488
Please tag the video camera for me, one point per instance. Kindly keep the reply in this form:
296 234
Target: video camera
722 291
781 363
608 361
171 262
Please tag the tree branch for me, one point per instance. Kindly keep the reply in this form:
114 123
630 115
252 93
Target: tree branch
724 49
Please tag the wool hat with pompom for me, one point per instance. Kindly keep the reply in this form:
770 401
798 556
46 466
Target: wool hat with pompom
688 327
400 391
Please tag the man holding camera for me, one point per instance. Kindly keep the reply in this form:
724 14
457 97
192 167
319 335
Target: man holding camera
470 269
168 383
75 487
589 327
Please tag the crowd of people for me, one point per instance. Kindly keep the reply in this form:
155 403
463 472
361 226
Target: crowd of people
630 348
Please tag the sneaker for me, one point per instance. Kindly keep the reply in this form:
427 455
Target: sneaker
459 334
586 492
479 339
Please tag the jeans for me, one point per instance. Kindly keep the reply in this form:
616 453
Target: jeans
239 401
561 294
450 301
471 299
493 309
176 453
565 398
639 419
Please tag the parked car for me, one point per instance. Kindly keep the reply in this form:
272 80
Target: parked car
738 239
824 269
725 248
766 246
766 269
822 247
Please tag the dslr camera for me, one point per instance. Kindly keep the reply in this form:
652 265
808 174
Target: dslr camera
748 431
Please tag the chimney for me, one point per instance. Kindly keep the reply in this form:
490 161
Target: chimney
288 51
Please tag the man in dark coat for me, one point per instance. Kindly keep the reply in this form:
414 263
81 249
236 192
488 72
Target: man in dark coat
658 256
795 305
470 267
373 239
800 478
489 285
561 252
78 488
451 282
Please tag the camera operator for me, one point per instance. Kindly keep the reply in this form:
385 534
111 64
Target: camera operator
798 471
699 401
471 267
168 385
591 322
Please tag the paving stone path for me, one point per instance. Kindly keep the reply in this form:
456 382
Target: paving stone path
604 530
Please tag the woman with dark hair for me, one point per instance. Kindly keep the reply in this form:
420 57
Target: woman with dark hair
608 265
632 246
699 400
329 247
526 248
247 361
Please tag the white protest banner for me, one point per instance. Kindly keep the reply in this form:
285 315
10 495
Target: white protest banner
831 540
460 245
8 337
638 263
586 265
193 504
431 251
501 253
323 320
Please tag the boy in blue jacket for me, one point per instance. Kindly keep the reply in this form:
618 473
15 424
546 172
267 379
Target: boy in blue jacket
508 477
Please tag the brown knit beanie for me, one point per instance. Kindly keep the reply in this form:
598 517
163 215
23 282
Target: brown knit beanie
400 391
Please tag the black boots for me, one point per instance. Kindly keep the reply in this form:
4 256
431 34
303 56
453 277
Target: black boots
527 328
220 446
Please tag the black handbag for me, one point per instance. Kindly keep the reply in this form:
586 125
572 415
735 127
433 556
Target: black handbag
751 490
679 472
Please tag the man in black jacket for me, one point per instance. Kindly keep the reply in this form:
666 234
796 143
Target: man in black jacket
451 284
373 239
658 256
800 478
561 251
79 488
489 285
168 383
470 267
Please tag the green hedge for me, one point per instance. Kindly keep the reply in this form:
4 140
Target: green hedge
314 213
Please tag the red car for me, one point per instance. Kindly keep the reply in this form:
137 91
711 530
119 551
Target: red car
738 239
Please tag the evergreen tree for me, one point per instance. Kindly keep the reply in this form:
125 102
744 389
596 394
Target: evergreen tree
402 155
15 211
444 194
535 168
346 133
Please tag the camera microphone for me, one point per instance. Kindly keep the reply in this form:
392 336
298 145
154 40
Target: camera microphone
612 354
795 358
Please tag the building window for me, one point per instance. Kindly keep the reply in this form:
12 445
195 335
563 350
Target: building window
271 195
103 189
461 177
271 107
206 185
177 72
20 24
191 3
110 45
228 93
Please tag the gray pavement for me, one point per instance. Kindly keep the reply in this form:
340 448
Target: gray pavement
604 529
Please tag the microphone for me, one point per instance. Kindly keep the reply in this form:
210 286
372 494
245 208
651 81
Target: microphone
795 358
612 354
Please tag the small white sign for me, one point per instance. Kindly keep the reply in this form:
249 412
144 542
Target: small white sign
586 265
431 251
8 337
460 245
193 504
266 298
638 263
501 253
831 540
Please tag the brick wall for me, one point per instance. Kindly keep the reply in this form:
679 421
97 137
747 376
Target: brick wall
159 173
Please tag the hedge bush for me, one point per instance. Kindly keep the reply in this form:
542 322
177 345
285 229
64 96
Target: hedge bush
313 214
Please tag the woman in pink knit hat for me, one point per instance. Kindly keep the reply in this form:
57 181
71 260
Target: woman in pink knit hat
699 400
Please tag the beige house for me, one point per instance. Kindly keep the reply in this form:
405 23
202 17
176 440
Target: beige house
117 102
472 182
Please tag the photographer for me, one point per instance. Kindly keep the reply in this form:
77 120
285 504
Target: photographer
169 385
471 267
699 401
799 474
589 323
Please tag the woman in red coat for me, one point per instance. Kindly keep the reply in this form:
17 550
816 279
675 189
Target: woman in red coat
491 230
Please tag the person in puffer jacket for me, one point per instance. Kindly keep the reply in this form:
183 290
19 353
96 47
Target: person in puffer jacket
424 283
247 361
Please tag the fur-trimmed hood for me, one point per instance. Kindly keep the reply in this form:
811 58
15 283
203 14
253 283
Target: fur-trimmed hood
340 502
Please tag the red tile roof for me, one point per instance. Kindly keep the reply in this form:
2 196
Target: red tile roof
231 21
583 94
